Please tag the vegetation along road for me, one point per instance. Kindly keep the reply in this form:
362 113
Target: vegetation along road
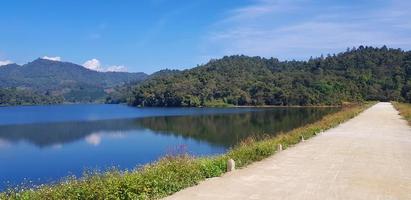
368 157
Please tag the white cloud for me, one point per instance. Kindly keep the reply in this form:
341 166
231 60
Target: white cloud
298 29
5 62
57 58
95 64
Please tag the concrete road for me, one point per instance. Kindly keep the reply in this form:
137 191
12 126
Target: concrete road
368 157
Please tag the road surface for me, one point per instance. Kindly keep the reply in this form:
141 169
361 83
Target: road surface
368 157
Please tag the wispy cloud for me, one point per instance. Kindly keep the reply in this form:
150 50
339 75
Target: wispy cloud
303 28
262 8
157 27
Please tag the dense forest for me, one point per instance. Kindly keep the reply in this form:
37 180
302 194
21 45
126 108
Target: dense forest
363 73
14 97
68 82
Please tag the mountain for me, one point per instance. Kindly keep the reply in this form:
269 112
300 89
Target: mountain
363 73
72 82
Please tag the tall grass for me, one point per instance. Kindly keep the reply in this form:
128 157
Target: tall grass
404 109
173 173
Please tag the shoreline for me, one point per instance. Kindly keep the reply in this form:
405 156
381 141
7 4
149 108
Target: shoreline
290 106
228 105
172 174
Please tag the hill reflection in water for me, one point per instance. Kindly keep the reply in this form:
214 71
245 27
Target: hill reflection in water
217 129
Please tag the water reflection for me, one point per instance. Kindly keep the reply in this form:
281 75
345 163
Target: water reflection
228 130
48 134
218 129
56 149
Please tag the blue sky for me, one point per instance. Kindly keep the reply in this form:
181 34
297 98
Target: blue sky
149 35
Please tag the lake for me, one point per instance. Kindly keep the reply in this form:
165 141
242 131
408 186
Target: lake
42 144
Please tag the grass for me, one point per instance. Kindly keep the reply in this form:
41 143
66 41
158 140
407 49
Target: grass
404 109
173 173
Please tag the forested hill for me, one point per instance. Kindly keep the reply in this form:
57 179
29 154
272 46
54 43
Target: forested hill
63 81
363 73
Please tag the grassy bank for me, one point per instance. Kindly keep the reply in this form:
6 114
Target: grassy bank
404 109
171 174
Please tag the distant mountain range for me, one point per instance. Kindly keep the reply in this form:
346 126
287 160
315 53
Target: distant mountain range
68 81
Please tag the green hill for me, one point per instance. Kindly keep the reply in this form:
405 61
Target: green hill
71 82
363 73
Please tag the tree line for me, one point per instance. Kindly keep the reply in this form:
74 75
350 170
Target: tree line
358 74
15 96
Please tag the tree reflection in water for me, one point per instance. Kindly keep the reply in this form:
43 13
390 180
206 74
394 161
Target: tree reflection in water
216 129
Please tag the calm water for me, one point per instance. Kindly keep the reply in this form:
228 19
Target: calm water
46 143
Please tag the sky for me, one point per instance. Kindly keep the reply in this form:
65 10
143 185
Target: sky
150 35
